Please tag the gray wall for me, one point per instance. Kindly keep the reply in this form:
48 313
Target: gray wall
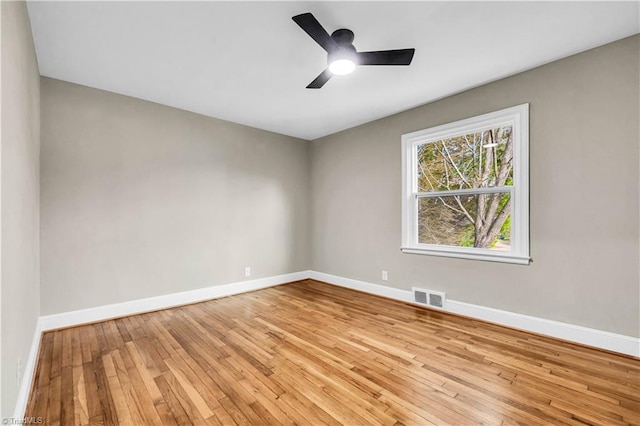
20 196
141 200
584 141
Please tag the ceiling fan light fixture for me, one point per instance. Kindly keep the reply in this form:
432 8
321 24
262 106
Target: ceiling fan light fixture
342 67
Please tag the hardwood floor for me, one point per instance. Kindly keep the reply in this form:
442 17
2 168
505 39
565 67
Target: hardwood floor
312 353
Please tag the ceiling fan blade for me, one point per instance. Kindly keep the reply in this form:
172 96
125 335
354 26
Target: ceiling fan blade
320 80
311 26
386 57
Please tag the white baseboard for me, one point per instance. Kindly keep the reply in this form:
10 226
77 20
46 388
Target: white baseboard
27 377
378 290
101 313
573 333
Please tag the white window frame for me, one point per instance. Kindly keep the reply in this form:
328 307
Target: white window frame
518 117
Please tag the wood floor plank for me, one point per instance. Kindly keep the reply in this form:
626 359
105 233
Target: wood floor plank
117 391
55 405
191 392
94 408
146 374
107 404
172 402
81 412
128 392
312 353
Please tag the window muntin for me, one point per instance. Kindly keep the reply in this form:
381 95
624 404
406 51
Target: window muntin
466 188
473 160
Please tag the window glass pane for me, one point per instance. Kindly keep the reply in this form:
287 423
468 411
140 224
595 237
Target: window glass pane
475 160
454 221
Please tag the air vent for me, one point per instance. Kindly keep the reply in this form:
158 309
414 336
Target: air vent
431 298
420 296
436 300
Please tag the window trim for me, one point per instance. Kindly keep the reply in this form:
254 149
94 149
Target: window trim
518 117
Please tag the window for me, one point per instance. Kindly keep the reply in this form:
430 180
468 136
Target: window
466 188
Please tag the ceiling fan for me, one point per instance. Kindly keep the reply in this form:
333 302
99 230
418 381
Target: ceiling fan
342 56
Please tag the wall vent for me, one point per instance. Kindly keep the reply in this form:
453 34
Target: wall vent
431 298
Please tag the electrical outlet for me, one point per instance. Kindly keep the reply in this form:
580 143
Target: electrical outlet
385 276
247 271
19 372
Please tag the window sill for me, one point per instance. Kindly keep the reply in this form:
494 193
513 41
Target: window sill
489 257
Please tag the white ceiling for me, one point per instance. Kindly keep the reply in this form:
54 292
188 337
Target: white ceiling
249 63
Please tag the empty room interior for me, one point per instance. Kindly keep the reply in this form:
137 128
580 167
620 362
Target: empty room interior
394 213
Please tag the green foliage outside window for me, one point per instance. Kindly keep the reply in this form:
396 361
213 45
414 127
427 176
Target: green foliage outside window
479 160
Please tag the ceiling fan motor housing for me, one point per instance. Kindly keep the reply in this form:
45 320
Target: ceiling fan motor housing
343 36
346 50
